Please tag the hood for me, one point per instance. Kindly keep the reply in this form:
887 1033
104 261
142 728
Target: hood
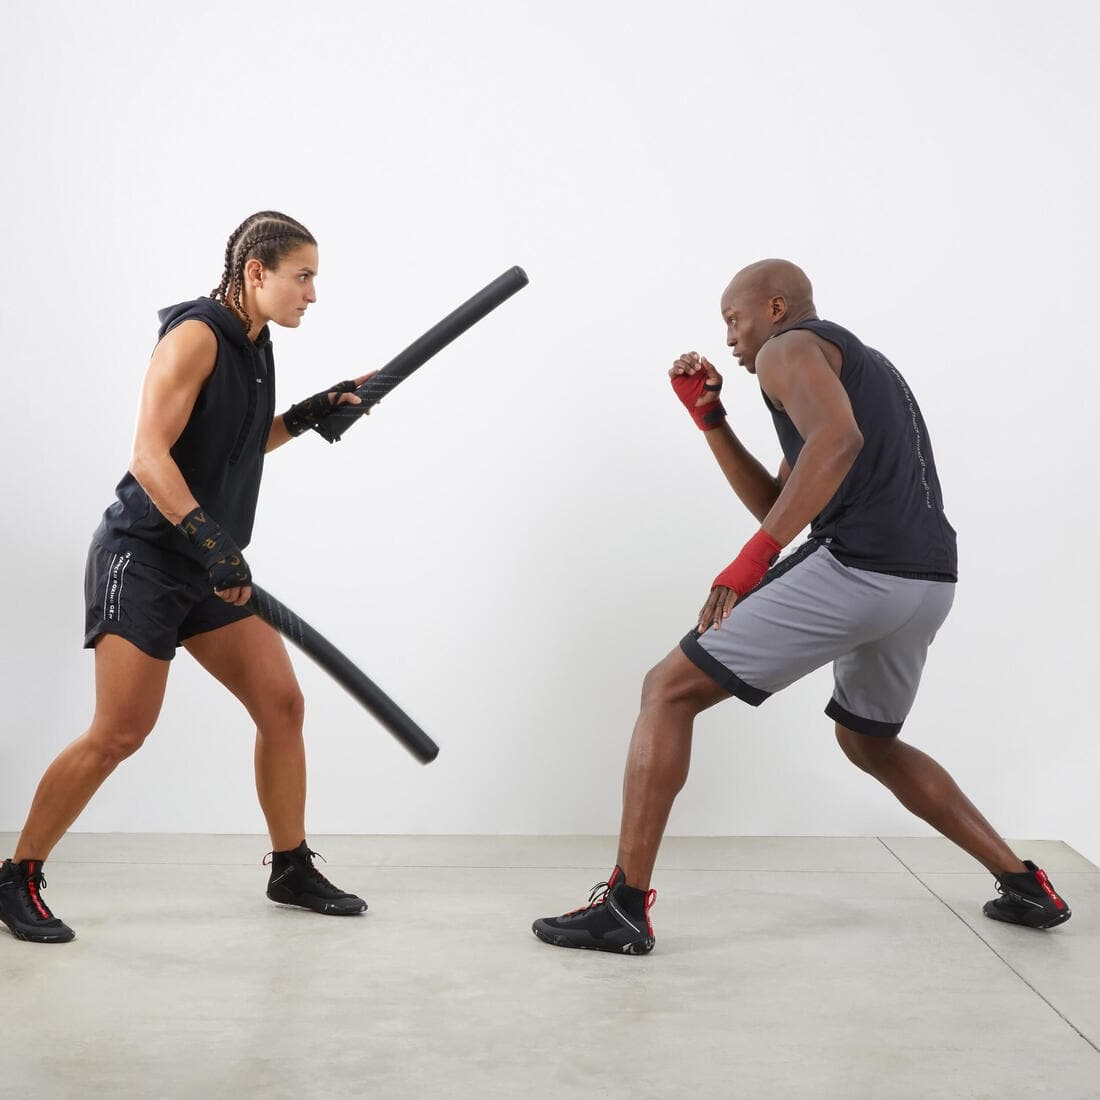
219 317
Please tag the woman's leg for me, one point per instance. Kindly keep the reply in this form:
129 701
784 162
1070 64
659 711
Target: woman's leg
129 689
250 659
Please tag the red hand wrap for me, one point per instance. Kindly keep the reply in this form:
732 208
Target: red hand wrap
747 570
688 389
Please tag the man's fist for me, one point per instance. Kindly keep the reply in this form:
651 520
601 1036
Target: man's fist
697 385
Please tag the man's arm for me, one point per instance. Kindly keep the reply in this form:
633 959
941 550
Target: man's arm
757 489
795 374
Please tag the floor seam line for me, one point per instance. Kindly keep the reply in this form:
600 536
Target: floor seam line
895 855
982 940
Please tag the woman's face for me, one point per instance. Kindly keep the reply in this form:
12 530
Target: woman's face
284 293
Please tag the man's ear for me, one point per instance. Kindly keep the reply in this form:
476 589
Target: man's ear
779 307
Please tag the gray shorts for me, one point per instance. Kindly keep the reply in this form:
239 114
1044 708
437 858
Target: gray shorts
809 610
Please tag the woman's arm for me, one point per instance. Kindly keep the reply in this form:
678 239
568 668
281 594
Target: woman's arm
181 364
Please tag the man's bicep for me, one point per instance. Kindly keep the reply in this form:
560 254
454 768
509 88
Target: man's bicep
784 473
181 364
798 376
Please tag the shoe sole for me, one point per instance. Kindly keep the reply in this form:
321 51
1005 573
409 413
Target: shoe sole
326 908
30 937
994 914
563 941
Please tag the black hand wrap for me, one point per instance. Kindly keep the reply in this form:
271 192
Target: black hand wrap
310 412
215 551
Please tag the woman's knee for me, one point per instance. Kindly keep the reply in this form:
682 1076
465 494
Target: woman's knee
115 740
283 711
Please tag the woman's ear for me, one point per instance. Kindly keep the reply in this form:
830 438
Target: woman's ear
253 273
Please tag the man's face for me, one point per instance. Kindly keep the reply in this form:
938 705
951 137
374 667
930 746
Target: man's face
749 319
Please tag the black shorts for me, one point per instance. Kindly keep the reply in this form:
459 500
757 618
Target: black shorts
153 608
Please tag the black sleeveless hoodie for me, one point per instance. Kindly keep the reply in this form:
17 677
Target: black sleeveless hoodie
887 516
220 451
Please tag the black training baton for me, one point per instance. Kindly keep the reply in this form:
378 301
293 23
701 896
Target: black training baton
352 679
333 426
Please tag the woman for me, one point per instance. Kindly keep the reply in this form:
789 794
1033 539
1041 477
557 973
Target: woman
166 569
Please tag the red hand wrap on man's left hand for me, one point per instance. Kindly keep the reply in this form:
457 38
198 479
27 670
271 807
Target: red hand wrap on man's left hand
747 570
689 388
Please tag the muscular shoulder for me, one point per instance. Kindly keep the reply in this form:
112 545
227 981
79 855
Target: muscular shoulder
188 352
795 347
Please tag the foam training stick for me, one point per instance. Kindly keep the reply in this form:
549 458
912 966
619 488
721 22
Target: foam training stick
333 426
347 675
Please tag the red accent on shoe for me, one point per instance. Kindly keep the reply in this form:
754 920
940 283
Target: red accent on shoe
650 898
614 877
33 866
1044 882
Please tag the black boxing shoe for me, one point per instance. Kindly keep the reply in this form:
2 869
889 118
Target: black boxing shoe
616 919
295 881
1027 898
22 908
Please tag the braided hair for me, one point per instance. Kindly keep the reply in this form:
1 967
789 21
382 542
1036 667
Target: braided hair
267 236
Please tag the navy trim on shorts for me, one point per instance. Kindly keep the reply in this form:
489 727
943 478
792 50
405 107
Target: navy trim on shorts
722 676
866 726
718 672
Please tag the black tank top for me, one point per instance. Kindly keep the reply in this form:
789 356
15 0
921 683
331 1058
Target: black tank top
887 516
220 451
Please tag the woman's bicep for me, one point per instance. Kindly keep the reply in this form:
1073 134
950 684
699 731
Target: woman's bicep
182 362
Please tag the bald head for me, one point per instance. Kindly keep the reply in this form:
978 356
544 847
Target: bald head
762 300
767 279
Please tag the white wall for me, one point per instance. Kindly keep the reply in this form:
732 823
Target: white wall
530 522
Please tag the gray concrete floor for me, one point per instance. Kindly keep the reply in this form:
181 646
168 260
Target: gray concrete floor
784 968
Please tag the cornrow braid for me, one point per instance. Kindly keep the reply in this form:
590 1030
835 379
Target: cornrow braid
266 236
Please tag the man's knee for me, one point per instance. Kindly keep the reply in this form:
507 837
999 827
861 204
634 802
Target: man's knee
868 753
676 681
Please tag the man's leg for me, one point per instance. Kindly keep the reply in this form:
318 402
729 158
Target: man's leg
925 789
617 919
250 659
129 689
673 693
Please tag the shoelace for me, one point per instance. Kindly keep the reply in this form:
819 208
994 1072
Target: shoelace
315 874
34 885
306 867
597 897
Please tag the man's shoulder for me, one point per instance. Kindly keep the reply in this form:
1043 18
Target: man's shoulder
794 346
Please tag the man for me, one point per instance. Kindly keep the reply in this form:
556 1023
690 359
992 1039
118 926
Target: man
867 591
